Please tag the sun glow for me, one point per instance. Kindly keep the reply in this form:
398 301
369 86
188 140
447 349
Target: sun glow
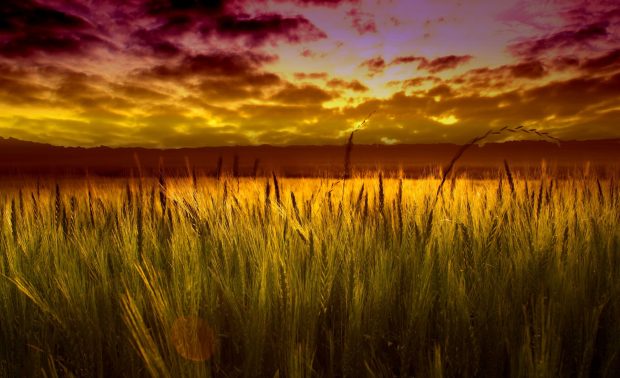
446 119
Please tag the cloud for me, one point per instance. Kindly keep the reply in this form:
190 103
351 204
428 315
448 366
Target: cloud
227 20
607 62
417 81
500 78
329 3
259 29
311 75
336 83
407 59
580 37
374 65
194 72
561 63
444 63
158 7
362 21
531 70
578 108
575 96
156 28
306 94
210 64
150 42
218 76
247 86
353 85
442 90
18 87
29 28
439 64
307 53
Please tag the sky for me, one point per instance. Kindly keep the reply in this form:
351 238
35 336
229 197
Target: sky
187 73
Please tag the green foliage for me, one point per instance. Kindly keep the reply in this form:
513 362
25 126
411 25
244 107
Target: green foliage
376 277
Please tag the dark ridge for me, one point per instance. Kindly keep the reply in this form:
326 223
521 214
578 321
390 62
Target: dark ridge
413 160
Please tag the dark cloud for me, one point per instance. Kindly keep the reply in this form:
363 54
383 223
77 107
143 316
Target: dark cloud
224 20
248 86
223 76
307 94
353 85
579 37
580 108
215 64
154 44
417 81
311 75
444 63
562 63
374 65
21 92
138 91
606 62
439 64
307 53
442 90
500 78
28 28
159 7
529 70
262 28
407 59
363 22
329 3
282 114
575 96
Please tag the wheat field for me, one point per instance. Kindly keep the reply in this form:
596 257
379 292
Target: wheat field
370 276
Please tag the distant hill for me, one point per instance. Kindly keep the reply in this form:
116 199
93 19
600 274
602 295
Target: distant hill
19 157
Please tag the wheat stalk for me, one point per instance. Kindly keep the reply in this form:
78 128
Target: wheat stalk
510 180
162 190
381 194
466 146
276 188
349 147
295 208
399 203
267 197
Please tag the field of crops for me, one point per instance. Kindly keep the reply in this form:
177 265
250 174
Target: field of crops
510 276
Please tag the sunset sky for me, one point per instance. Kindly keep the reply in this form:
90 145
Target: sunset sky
174 73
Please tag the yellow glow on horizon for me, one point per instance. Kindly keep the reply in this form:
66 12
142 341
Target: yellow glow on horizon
36 113
446 120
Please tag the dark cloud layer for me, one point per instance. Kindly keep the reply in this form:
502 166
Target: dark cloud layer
353 85
563 39
439 64
155 28
28 28
443 63
606 62
213 64
307 94
257 30
221 76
